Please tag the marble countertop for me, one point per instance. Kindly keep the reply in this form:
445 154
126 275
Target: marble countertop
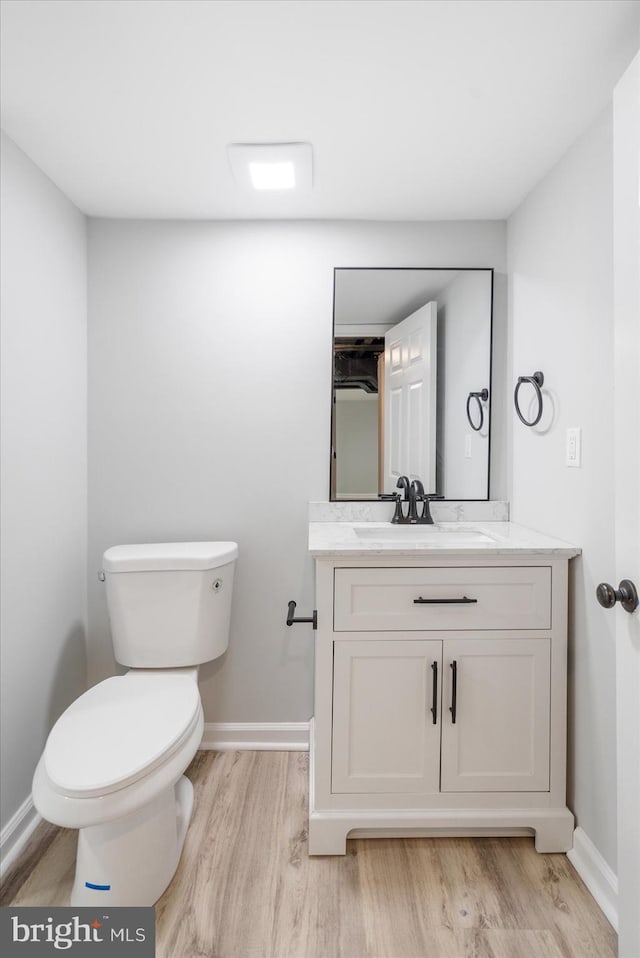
369 539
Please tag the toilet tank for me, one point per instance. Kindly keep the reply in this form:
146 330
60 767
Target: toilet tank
169 602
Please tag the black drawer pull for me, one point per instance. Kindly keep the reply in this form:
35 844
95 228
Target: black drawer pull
463 601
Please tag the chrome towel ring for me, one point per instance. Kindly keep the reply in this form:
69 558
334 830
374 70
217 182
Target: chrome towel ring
537 380
479 397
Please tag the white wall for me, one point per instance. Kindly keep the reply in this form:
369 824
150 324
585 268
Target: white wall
463 332
209 411
561 299
43 465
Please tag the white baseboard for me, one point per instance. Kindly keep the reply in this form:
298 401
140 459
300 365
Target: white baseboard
16 833
596 874
277 737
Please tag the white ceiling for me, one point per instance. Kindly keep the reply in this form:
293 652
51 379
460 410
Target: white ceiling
384 297
415 109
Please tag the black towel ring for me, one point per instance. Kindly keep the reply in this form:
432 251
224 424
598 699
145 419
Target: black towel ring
537 380
482 395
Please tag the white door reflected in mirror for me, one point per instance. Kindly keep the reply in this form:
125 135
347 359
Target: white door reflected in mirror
409 411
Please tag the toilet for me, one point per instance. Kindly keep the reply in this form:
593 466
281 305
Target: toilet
113 764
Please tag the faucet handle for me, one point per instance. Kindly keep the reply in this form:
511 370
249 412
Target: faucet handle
425 516
398 515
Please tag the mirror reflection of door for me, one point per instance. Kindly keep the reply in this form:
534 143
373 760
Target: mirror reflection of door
373 440
410 399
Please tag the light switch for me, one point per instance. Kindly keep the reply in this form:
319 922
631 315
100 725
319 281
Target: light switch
574 446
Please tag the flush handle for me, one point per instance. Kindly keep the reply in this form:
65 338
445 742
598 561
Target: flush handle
626 594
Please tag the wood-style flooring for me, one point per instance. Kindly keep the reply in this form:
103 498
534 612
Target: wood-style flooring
246 888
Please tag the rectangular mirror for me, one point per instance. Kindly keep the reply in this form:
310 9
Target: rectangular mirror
411 390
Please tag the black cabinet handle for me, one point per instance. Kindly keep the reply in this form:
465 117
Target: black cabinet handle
434 697
454 691
463 601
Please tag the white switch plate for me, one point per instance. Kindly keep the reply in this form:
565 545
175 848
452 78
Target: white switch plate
574 446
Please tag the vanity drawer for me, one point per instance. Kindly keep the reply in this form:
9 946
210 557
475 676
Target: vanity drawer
496 597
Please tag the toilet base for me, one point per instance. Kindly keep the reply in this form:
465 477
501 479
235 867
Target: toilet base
131 861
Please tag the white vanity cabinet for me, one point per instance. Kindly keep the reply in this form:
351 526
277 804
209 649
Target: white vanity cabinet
398 727
440 698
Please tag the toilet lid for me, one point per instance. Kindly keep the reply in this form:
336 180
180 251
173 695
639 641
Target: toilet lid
119 730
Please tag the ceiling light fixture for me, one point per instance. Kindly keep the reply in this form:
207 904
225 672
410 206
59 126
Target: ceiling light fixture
271 166
272 176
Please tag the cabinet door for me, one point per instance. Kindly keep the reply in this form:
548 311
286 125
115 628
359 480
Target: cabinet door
386 716
499 740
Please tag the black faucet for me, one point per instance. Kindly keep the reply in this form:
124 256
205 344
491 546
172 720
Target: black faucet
425 517
413 493
416 493
403 483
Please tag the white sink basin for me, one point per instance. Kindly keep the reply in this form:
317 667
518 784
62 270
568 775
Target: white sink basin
420 535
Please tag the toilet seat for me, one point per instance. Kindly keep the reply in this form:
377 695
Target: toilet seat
119 731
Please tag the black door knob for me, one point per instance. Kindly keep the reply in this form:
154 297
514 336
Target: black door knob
626 594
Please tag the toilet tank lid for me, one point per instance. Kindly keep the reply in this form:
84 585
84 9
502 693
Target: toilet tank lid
169 556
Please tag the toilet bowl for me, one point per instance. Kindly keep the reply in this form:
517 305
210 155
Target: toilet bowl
114 761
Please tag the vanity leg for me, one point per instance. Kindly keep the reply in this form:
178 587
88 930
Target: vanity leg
327 837
555 832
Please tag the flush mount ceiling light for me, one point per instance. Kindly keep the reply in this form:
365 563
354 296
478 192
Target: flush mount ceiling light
271 166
